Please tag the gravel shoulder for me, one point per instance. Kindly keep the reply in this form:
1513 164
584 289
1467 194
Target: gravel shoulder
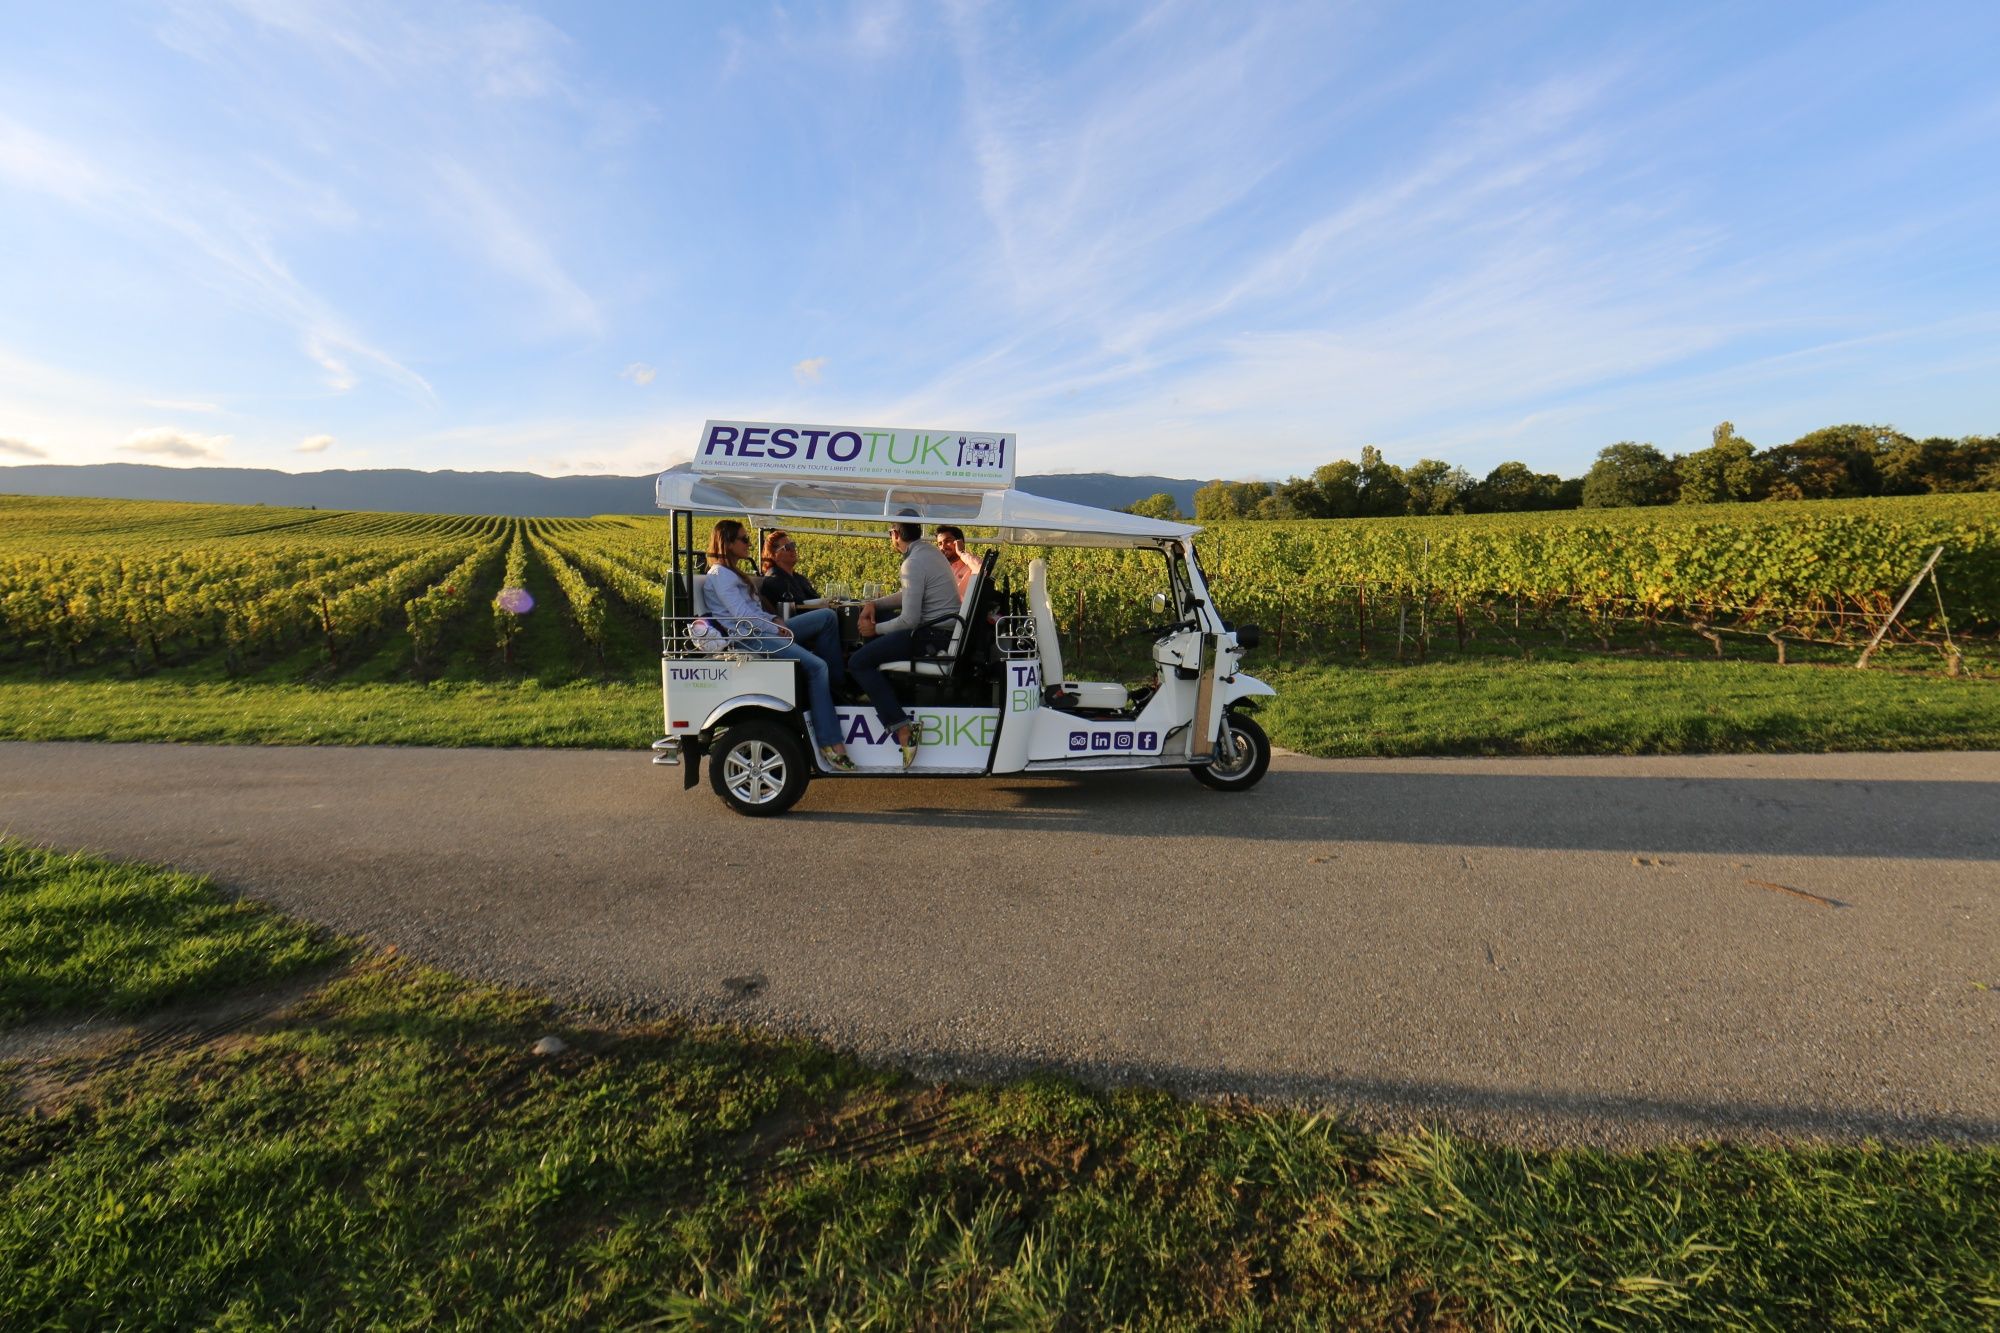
1613 951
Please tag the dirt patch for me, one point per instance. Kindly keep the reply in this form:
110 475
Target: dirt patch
45 1064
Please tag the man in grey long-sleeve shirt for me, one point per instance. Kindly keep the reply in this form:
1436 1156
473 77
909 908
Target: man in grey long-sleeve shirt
929 593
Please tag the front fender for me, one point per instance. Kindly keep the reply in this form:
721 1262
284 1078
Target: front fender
1243 687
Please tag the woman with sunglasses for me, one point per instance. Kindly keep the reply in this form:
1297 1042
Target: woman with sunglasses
812 638
782 580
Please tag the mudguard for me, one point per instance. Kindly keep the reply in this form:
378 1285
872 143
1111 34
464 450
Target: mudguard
1241 686
767 702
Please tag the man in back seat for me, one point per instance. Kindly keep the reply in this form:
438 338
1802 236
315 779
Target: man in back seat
929 594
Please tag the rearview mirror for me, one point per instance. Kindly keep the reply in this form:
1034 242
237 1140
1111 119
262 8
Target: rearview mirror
1159 603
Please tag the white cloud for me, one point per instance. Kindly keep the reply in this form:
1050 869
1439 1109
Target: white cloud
339 377
314 444
639 373
808 371
21 449
166 442
180 405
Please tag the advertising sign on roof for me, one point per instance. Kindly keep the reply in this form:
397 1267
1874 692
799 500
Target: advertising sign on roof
858 453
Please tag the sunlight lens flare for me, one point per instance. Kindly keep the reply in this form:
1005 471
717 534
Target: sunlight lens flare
515 600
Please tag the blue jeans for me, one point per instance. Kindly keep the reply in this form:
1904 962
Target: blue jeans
891 647
815 645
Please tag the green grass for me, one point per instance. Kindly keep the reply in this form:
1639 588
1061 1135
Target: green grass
79 934
1462 706
389 1152
1625 706
605 715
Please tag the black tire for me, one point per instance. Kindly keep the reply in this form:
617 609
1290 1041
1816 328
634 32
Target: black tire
1254 749
758 769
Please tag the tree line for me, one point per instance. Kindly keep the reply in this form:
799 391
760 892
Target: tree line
1837 462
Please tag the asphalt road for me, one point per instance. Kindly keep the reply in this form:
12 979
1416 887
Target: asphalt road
1613 951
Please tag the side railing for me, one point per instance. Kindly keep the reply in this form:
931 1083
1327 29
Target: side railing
706 638
1015 638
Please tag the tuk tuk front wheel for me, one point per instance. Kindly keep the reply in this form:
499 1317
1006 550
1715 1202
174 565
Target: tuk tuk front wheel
1253 757
758 769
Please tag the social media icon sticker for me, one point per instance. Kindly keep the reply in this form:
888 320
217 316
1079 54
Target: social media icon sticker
1122 741
1100 740
1078 739
1149 740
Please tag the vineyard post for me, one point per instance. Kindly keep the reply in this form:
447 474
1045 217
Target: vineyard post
1361 614
1897 609
1954 664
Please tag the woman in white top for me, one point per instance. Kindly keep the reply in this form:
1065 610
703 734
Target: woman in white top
811 639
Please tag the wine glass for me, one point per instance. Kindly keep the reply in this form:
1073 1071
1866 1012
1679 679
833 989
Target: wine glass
870 591
836 591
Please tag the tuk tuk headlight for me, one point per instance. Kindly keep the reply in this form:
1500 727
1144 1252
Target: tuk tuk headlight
1248 637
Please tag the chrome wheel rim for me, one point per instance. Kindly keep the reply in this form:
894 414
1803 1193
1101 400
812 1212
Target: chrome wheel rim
1246 754
754 772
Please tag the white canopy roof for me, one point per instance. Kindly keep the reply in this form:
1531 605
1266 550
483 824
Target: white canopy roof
862 507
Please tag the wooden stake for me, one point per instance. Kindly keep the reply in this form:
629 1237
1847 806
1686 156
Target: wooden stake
1897 610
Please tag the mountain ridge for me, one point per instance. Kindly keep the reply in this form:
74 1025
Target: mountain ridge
448 491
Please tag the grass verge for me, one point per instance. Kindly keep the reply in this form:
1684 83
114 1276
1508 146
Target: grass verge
1471 706
390 1151
1599 706
80 934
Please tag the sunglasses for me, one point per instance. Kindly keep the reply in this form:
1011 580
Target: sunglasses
785 546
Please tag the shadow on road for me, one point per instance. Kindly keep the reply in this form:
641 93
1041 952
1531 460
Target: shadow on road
1532 1119
1729 816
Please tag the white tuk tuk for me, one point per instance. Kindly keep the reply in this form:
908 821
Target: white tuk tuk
995 697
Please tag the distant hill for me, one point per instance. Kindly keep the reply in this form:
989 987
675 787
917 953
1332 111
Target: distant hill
521 494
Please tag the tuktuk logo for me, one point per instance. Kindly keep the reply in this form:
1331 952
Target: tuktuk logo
982 451
1144 741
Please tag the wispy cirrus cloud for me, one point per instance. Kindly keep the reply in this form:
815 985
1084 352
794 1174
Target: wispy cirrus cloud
496 225
233 247
167 442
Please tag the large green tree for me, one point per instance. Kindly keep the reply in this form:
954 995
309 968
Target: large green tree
1514 488
1157 505
1836 462
1627 474
1914 467
1436 487
1383 490
1230 499
1729 469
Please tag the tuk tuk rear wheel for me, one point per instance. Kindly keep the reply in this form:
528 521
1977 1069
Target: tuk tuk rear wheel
1253 751
758 769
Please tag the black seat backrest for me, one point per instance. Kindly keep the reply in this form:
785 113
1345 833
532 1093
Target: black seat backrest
975 647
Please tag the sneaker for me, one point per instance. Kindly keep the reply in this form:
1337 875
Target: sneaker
835 761
909 748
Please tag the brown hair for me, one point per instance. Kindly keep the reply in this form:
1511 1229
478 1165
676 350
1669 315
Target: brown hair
771 540
720 538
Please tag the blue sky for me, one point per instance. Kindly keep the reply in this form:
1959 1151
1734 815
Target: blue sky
1192 239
